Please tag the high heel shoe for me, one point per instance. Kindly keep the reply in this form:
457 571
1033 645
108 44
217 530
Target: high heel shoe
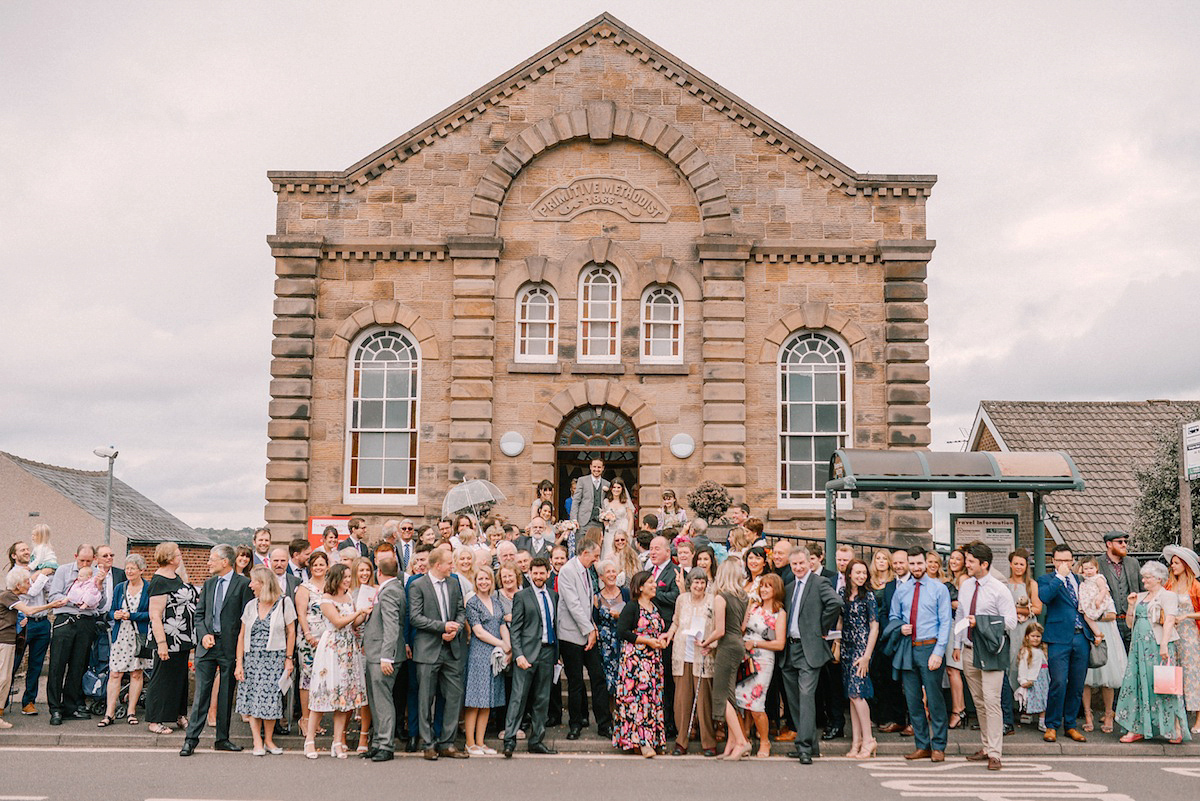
648 751
957 719
738 753
869 753
310 749
337 750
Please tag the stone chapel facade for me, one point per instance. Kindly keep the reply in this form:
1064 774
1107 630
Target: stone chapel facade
601 252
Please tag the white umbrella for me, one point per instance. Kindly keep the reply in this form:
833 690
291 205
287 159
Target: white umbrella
471 495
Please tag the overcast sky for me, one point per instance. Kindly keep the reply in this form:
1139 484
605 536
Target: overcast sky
135 140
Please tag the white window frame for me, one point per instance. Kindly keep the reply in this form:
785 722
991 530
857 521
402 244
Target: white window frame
522 321
844 434
677 325
382 498
586 321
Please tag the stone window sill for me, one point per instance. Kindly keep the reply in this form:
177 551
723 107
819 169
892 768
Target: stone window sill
661 369
340 509
534 367
849 515
587 368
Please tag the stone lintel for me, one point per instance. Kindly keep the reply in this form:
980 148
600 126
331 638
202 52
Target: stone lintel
474 247
906 249
736 248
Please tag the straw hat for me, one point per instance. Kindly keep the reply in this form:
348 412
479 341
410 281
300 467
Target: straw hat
1186 554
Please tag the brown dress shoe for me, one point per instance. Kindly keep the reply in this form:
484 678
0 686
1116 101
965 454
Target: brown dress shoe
1051 736
453 753
920 753
978 756
890 728
1076 735
907 731
431 754
786 736
993 763
937 756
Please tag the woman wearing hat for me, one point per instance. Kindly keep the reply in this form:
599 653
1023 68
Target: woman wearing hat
1184 567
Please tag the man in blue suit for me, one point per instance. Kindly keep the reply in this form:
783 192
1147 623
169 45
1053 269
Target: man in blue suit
1066 645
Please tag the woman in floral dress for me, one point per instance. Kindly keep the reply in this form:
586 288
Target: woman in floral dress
860 631
311 625
1183 566
338 683
1141 711
264 647
640 685
172 621
609 602
766 627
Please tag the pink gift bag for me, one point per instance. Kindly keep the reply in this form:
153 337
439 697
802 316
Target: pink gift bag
1168 679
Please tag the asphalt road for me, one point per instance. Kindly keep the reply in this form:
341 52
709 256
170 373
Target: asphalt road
71 774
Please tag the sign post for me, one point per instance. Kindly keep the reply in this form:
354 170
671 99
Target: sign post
998 532
1189 469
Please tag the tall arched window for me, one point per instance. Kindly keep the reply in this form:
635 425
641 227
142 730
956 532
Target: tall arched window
600 315
662 326
814 413
384 395
537 324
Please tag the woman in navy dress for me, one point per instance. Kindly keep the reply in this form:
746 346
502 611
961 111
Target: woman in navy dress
485 687
860 631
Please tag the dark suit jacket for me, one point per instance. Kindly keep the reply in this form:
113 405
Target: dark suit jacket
362 548
820 607
119 576
525 543
1060 613
525 630
666 592
291 583
237 595
1130 581
428 626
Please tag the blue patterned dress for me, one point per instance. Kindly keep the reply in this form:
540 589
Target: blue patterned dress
606 635
857 618
484 690
258 694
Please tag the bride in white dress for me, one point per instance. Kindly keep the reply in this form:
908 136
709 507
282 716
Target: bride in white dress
617 516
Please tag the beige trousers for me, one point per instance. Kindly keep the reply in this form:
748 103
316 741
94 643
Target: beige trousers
7 654
985 689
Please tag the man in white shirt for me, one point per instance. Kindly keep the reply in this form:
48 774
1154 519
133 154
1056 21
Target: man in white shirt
405 542
298 552
982 594
588 500
262 547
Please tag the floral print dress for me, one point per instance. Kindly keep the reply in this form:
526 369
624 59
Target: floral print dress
1139 709
610 643
859 614
316 627
640 688
751 693
338 682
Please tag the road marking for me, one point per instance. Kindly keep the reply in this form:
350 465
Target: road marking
1018 781
23 797
1191 773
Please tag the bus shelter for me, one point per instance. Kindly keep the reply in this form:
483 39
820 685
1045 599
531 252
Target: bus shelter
857 470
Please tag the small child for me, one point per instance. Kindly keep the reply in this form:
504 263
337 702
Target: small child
84 593
42 554
1033 675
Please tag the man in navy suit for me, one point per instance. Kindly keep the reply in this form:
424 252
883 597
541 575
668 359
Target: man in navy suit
1066 645
358 532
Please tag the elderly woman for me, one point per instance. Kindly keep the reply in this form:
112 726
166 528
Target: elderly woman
692 666
1140 710
16 584
130 618
609 602
172 621
265 648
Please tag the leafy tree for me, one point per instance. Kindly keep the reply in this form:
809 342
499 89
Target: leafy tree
709 500
1156 516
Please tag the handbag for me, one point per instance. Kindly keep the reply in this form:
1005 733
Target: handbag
1098 654
143 646
748 669
1168 679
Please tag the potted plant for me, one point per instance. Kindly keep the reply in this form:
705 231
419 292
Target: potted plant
710 501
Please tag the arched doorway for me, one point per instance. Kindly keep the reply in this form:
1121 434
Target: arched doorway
591 431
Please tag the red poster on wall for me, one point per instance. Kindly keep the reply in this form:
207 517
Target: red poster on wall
317 526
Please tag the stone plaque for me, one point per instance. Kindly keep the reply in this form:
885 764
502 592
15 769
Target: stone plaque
606 192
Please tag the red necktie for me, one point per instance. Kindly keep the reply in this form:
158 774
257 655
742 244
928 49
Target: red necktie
974 602
912 616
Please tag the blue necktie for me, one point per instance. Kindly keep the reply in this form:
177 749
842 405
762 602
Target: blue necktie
218 602
549 618
1074 594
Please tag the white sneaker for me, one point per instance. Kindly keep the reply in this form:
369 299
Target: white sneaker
259 752
489 751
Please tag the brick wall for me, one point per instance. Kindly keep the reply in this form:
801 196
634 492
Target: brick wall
195 559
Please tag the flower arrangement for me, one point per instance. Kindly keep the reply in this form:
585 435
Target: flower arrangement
709 500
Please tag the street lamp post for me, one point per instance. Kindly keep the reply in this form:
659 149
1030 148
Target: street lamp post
109 453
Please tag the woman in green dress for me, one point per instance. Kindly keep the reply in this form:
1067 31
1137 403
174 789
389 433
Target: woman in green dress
1141 711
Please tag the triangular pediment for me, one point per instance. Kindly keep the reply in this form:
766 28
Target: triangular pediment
604 28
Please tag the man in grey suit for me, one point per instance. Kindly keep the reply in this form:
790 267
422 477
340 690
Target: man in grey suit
383 650
439 649
812 608
534 636
577 636
588 501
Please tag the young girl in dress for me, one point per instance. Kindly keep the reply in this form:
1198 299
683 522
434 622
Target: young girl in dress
43 554
1033 675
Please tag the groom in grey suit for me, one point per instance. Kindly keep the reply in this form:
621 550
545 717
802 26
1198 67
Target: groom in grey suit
588 501
439 650
383 649
813 607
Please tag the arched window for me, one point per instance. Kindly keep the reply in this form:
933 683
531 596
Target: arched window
600 315
537 324
384 396
814 413
662 326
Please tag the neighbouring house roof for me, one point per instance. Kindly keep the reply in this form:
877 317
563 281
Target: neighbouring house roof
133 514
1108 440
